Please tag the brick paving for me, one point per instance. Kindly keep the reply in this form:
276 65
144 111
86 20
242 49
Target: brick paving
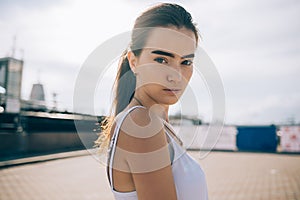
230 175
252 176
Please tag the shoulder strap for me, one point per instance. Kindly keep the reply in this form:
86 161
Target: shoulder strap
113 142
172 132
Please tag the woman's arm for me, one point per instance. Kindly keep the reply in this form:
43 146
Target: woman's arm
148 156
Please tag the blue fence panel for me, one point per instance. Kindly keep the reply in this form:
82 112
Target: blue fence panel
257 138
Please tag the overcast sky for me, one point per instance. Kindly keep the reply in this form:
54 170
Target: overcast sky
255 46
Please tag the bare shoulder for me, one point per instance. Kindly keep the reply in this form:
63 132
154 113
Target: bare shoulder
143 131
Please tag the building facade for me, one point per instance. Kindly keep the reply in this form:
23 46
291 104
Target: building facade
11 70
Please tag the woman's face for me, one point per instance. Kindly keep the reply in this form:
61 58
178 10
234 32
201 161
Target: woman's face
165 64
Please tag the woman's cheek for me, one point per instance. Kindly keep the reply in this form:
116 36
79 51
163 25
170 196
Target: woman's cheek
152 74
189 74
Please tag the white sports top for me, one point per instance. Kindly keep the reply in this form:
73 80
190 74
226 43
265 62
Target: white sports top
188 176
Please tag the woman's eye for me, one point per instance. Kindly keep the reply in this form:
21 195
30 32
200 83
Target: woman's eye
187 62
161 60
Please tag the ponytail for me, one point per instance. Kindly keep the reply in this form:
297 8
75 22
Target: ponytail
124 85
124 88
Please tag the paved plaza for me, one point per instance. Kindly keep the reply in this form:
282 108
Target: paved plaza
230 175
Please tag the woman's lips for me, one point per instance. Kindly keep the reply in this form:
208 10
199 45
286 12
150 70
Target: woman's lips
172 91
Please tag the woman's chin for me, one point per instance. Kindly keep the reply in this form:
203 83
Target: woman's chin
171 101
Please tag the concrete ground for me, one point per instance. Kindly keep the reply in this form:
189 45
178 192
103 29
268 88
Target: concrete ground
230 175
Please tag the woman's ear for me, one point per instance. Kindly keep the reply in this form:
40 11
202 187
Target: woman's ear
132 59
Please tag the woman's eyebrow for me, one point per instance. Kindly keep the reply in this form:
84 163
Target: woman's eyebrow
189 56
164 53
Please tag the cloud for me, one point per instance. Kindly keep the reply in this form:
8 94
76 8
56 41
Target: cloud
255 46
275 109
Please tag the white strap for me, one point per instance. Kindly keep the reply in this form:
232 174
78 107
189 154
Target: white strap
113 141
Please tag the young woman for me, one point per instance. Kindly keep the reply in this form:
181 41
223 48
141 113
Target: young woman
146 159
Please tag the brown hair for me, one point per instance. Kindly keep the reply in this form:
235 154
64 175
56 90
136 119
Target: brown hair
161 15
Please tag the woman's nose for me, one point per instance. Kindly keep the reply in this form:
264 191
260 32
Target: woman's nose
174 75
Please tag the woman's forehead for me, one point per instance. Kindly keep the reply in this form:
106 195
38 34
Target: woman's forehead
177 41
